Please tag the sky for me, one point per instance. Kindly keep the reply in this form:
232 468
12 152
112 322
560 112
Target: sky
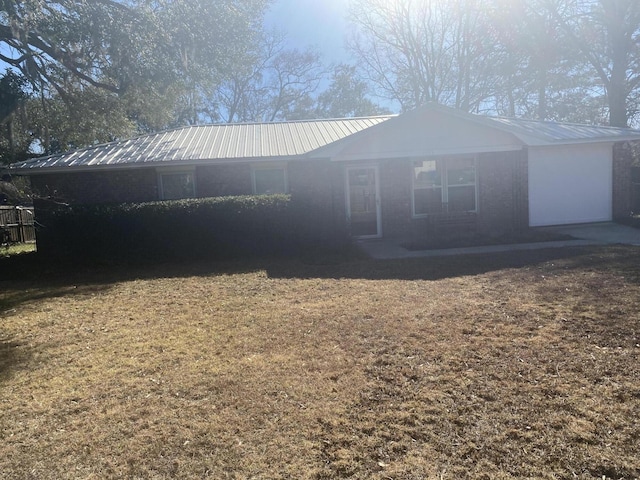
319 23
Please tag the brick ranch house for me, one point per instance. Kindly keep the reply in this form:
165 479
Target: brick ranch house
409 175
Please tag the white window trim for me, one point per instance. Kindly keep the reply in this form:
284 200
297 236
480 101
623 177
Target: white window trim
444 184
172 171
269 166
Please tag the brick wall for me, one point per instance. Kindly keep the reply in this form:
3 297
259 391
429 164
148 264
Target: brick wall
317 188
624 155
224 180
311 183
395 197
132 185
502 199
138 185
502 192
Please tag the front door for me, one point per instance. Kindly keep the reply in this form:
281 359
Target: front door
363 202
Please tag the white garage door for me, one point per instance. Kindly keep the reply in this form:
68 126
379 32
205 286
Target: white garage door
570 184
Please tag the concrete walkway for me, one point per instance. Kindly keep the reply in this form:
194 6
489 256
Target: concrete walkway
602 233
584 234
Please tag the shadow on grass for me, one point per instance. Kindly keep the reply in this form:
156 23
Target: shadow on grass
29 278
621 260
49 279
12 355
318 264
432 268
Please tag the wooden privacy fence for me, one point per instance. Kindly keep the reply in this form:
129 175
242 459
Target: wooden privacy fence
635 190
16 225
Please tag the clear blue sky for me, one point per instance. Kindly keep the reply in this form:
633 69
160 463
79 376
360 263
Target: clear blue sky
319 23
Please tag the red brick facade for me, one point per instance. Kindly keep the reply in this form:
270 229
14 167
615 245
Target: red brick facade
223 180
623 157
502 199
395 198
120 186
503 192
319 188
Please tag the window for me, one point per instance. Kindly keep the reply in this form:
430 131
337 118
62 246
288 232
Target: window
269 180
177 184
444 185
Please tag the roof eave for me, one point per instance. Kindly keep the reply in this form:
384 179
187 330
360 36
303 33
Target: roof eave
428 153
529 138
585 141
43 170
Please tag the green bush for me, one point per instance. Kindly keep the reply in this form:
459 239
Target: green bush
220 227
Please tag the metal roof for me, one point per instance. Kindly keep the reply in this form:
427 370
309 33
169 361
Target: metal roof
293 140
207 143
535 132
538 132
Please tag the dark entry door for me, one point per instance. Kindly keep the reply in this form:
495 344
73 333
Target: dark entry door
363 202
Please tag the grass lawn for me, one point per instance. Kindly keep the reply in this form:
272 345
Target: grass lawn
17 249
517 365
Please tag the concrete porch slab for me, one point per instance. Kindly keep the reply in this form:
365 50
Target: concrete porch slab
584 235
603 233
387 249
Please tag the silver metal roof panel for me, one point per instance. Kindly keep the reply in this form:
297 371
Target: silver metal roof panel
557 133
210 142
290 140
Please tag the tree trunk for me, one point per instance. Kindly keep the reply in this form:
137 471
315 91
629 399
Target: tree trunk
619 43
542 94
617 87
617 107
12 143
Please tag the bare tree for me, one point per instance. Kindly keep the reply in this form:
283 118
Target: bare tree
418 51
541 72
346 96
268 82
607 32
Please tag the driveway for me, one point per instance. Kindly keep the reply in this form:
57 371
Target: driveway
603 233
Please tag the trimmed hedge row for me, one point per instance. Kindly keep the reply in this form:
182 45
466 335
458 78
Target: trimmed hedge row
219 227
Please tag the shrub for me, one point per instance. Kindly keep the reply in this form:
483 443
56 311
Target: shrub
219 227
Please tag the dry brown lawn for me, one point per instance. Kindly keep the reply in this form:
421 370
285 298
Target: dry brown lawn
522 365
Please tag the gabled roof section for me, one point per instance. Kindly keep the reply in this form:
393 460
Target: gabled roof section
537 133
439 130
208 144
426 131
543 133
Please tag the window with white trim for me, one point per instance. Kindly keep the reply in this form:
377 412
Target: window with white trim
268 180
442 185
177 184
